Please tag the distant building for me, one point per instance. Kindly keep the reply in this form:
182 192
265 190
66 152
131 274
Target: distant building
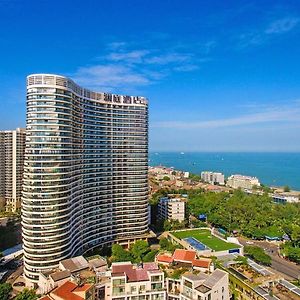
186 174
171 209
213 177
145 281
199 287
284 198
243 182
12 148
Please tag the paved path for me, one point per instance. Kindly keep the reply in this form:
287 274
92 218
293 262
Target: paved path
288 269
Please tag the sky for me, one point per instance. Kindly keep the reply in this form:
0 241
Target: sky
219 75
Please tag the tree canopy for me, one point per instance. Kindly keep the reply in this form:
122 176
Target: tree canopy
5 289
27 294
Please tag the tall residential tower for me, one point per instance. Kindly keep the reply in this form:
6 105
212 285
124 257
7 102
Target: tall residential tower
85 176
12 146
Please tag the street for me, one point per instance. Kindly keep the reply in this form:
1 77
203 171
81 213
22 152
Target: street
288 269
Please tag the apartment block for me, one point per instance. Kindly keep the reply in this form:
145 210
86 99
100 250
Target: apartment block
214 286
137 282
85 174
12 147
213 177
243 182
171 209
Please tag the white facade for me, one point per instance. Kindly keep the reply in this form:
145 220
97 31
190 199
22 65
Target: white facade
86 171
282 198
171 209
243 182
130 282
200 287
12 147
213 177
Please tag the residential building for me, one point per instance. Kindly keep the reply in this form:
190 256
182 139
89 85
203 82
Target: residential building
243 182
285 198
214 286
86 171
12 147
71 291
76 269
213 177
171 209
188 258
132 282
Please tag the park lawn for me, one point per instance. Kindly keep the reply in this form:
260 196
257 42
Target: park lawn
205 237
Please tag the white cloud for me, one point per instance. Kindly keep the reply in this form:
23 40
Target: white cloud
124 66
168 58
282 25
259 37
131 56
110 76
289 113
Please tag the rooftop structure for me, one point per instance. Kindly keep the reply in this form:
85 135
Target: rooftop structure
85 177
128 280
187 257
202 286
71 291
205 242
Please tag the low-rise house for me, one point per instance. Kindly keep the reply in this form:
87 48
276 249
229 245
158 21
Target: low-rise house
76 269
199 287
285 198
71 291
187 258
137 282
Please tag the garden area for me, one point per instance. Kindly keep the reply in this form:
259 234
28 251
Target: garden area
205 237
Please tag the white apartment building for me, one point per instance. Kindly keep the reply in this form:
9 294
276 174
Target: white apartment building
213 177
136 282
85 174
243 182
285 198
171 209
214 286
12 147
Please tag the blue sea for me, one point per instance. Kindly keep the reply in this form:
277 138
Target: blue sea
272 169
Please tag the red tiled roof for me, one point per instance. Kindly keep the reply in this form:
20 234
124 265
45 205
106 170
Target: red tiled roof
201 263
164 258
66 290
45 298
184 255
130 272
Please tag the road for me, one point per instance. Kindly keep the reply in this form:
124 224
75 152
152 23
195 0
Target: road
288 269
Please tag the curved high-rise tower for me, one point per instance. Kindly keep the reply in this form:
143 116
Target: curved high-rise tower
85 175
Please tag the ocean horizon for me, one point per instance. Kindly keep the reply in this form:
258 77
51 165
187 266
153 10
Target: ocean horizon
271 168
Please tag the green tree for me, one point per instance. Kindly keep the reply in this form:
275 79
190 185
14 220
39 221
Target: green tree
120 254
163 243
166 178
27 294
5 289
150 256
139 249
286 189
258 254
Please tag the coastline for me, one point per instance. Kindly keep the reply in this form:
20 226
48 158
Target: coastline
274 169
